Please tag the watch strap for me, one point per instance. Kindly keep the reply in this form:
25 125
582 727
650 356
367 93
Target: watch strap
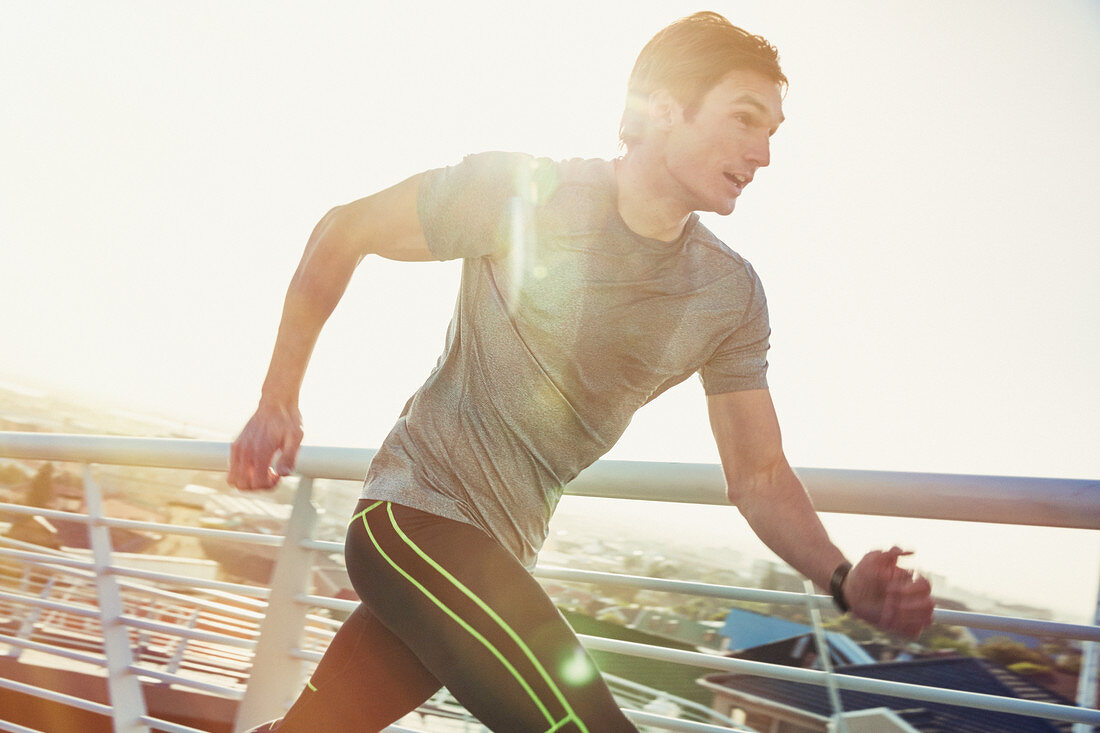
836 586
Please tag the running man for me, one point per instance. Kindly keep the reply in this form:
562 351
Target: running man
588 288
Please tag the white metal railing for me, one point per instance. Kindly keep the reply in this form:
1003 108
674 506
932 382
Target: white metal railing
276 669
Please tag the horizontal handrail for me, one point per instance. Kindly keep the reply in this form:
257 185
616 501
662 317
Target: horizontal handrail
74 609
234 693
1070 503
969 619
322 545
59 651
50 558
35 511
244 538
621 683
736 593
43 559
173 579
666 723
50 695
168 727
213 606
74 565
332 604
689 587
248 538
173 630
1015 624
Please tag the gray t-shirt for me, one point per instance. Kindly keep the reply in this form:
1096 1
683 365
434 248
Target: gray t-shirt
566 323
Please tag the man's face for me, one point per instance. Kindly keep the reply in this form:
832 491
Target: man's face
712 157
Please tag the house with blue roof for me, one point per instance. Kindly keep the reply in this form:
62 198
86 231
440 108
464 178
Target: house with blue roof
778 705
793 707
747 630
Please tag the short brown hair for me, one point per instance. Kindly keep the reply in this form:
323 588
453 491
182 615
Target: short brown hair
688 58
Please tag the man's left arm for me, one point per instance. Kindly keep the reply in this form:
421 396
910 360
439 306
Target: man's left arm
760 481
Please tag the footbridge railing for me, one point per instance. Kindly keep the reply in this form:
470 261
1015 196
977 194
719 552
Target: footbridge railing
255 644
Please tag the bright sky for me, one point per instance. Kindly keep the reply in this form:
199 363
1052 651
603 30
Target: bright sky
927 232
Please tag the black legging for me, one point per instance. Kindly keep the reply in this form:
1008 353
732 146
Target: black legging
444 604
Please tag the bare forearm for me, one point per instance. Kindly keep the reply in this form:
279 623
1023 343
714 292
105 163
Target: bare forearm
780 512
317 286
385 224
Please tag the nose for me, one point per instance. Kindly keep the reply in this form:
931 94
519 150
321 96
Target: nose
759 153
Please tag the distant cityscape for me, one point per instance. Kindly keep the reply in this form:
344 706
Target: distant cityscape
577 540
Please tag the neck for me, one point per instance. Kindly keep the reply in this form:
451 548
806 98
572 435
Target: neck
646 202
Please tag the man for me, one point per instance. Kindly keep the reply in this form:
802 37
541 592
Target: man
588 288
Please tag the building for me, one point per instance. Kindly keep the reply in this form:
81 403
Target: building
780 706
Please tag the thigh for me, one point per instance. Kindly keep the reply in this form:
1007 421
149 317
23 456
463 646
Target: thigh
366 680
478 621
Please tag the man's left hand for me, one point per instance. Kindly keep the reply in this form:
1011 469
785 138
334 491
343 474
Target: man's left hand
887 596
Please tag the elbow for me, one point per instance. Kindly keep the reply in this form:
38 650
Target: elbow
739 492
332 241
328 261
350 230
744 488
332 228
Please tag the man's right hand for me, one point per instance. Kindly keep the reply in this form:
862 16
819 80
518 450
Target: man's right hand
385 224
274 428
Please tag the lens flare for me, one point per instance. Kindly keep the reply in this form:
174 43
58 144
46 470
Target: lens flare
577 669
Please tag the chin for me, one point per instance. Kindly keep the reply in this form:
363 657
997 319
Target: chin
725 208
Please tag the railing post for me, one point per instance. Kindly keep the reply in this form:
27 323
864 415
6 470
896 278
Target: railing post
1086 680
275 679
127 699
837 721
181 645
34 615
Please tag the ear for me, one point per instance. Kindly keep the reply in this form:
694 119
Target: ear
663 110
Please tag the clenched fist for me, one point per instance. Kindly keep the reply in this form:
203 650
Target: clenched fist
887 596
274 428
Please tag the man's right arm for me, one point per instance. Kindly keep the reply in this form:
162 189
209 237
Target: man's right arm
385 224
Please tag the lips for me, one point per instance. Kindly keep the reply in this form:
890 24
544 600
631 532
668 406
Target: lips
738 180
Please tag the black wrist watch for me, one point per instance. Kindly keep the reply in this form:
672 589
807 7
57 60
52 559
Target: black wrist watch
836 586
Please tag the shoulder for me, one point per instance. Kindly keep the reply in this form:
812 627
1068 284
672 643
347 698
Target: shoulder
524 167
576 192
521 174
476 189
493 167
717 254
470 209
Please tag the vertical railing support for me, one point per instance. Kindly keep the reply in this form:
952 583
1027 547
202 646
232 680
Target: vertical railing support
127 699
276 676
837 722
34 615
181 645
1086 680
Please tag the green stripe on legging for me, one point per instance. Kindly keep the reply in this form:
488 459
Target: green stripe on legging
500 622
364 512
309 683
562 723
472 631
